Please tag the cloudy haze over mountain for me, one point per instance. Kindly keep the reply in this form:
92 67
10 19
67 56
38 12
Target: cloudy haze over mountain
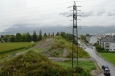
40 13
24 28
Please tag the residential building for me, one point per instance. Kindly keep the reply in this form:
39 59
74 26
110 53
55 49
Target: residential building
92 39
108 43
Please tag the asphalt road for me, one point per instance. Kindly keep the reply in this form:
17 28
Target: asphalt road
100 60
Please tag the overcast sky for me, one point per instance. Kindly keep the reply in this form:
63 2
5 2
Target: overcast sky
55 12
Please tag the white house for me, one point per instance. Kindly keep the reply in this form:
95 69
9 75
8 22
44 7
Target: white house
91 39
108 43
109 46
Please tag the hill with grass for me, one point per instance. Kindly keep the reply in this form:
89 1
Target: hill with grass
35 61
59 47
35 64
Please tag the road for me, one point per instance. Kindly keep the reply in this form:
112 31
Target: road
100 60
63 59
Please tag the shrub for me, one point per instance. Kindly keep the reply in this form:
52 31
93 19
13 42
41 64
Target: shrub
32 64
78 71
99 48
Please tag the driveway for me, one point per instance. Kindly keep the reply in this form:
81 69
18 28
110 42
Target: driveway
100 61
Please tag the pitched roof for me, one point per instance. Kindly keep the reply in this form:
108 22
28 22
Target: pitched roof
108 38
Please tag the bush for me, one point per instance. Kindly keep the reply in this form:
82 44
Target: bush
99 48
78 71
32 64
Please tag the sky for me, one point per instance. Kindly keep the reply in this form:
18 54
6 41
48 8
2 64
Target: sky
37 13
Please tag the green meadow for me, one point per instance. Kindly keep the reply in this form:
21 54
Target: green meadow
7 48
108 56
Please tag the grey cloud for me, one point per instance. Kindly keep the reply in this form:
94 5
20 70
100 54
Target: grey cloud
83 14
64 14
86 14
110 14
99 13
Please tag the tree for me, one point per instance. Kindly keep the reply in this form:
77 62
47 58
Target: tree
53 34
87 35
2 36
24 37
7 38
49 34
29 38
83 37
40 36
63 34
18 37
34 37
45 35
57 34
12 39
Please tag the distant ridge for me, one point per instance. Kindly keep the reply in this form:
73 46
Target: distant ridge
23 28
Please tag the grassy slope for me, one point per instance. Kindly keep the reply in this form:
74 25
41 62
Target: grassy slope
35 64
108 56
61 42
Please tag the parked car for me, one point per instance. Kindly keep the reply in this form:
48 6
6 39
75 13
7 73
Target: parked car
92 47
106 70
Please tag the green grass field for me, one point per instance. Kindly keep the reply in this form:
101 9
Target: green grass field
86 65
109 56
7 48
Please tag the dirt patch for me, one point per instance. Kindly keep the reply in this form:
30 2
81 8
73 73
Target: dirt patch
97 73
55 52
65 52
44 44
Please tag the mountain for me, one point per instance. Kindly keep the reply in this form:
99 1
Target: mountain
23 28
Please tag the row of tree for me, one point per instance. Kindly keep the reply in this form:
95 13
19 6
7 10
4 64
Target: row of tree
26 37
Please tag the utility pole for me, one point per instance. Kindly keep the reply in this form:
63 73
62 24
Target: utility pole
75 29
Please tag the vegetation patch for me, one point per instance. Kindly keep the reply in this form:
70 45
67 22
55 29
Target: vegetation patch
109 56
87 66
10 47
66 44
99 48
58 46
36 64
